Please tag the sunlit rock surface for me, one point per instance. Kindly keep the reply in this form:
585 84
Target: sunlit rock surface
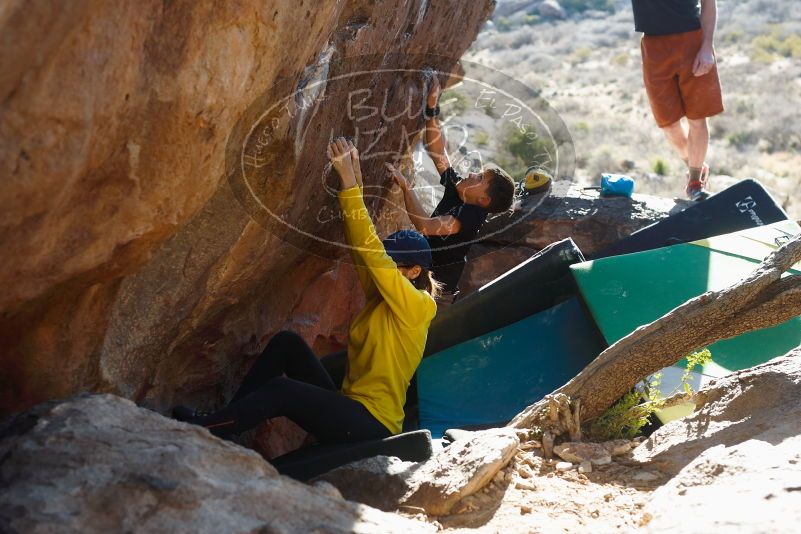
130 265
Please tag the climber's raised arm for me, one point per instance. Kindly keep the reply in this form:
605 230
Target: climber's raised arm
434 139
441 225
357 165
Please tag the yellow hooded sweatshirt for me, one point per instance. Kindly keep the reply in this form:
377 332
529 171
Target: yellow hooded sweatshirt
388 336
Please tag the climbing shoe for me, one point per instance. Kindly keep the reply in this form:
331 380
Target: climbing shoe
188 415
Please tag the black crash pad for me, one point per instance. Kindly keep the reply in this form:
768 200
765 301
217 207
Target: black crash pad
744 205
309 462
533 286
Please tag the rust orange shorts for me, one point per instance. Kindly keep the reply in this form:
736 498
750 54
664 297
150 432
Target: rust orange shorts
673 90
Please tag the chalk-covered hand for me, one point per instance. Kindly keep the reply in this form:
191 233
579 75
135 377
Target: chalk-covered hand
340 157
398 178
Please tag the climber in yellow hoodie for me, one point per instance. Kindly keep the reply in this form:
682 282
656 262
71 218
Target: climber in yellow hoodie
385 345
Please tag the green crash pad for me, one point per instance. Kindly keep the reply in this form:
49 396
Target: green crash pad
628 291
489 379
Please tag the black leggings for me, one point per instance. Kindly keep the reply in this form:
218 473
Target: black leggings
307 395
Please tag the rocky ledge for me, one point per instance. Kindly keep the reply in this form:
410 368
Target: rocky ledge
100 464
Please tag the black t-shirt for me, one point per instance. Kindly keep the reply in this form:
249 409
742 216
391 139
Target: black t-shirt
664 17
449 252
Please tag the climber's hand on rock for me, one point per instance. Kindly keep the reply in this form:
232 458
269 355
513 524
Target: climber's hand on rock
433 92
398 178
339 155
357 166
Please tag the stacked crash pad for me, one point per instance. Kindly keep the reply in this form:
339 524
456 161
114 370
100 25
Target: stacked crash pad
535 285
521 331
505 346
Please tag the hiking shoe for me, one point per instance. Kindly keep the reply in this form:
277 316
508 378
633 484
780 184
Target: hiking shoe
696 189
696 192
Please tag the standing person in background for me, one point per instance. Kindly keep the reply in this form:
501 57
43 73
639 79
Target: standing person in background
681 77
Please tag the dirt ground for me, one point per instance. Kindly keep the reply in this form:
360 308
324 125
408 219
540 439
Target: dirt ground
531 496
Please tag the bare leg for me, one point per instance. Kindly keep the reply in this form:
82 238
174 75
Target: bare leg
678 138
698 142
691 145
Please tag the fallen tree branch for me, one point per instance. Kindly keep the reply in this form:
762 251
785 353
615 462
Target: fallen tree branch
761 300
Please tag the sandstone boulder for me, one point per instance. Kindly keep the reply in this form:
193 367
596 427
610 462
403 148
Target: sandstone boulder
436 485
381 482
736 461
596 453
761 403
461 469
754 486
131 264
101 464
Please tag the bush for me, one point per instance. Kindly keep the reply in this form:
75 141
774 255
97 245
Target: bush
454 103
530 19
489 111
518 151
660 167
503 24
627 417
580 55
734 36
741 139
481 138
765 48
621 60
791 47
579 6
581 127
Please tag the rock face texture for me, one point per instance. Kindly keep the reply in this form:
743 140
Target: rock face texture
100 464
594 222
737 459
131 263
436 485
595 453
762 403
